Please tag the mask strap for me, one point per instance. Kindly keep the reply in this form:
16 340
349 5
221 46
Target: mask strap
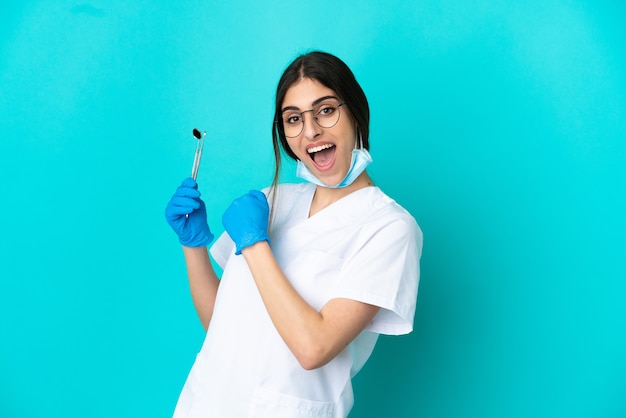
359 142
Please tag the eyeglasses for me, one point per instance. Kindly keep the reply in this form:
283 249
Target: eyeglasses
325 114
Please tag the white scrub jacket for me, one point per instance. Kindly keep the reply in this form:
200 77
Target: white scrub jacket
363 247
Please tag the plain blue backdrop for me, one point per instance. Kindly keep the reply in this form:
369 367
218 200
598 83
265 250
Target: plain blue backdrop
501 126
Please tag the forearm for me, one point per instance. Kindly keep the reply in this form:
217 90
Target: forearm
313 337
203 282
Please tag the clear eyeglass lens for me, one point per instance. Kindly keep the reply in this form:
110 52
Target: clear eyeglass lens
326 115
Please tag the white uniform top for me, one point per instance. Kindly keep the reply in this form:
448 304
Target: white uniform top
363 247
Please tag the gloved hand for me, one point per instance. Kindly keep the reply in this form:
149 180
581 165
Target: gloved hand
246 220
186 214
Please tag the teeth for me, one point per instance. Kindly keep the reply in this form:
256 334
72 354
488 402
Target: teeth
318 149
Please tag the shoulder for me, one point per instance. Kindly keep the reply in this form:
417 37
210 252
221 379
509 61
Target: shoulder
381 206
285 196
288 189
383 212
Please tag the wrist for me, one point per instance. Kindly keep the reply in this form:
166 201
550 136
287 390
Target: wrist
258 247
249 240
200 239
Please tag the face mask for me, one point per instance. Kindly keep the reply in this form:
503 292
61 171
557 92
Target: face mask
360 159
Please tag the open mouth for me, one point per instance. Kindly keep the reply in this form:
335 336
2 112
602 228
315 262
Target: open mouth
322 155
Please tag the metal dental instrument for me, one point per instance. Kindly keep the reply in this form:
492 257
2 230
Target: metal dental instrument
198 155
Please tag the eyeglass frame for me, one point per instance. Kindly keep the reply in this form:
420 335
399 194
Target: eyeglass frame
282 122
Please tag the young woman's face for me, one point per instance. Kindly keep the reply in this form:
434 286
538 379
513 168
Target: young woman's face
327 152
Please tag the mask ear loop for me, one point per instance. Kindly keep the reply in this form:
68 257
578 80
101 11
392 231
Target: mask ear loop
359 142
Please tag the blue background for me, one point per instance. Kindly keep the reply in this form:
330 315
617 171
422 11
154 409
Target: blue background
501 126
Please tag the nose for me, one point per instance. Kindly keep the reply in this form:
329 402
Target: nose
311 129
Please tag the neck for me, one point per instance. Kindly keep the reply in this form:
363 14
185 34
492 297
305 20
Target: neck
325 197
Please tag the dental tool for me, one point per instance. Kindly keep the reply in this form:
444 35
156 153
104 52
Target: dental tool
198 155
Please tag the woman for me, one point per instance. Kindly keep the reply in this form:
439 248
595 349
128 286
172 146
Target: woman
309 283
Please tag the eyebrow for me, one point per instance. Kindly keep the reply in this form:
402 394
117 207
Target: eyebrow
315 103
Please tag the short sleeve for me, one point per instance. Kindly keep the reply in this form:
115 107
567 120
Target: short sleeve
384 271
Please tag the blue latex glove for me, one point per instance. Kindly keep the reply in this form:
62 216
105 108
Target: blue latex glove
186 214
246 220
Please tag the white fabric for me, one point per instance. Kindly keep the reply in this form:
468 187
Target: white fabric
363 247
